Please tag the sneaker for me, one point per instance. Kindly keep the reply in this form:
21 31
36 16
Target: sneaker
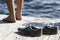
49 30
31 30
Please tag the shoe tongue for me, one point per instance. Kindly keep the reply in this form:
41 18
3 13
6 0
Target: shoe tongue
35 25
25 25
50 25
38 25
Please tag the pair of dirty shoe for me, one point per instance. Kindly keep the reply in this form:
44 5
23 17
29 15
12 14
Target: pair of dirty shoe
36 28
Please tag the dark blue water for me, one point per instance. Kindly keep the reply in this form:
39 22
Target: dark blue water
37 8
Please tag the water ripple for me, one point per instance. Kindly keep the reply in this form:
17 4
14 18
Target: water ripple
37 8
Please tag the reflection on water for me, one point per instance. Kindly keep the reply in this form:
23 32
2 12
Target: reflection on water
37 8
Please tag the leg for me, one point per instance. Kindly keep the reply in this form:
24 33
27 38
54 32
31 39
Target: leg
11 17
19 9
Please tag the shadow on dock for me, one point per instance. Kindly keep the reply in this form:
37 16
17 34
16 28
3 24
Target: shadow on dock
2 22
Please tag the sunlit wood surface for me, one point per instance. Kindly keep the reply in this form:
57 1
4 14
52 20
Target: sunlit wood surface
7 30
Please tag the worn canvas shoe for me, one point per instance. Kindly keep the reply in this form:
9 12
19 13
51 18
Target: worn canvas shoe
30 30
50 30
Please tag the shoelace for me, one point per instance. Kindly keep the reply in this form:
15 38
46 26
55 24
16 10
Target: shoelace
33 28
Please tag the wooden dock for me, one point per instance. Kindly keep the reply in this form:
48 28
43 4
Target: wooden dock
7 30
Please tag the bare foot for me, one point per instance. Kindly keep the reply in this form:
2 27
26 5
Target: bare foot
18 16
9 19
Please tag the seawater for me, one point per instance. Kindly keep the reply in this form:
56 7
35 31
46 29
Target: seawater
36 8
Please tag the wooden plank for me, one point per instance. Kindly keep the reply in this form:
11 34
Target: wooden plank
39 38
59 34
11 36
31 38
7 29
45 37
4 30
23 38
53 37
